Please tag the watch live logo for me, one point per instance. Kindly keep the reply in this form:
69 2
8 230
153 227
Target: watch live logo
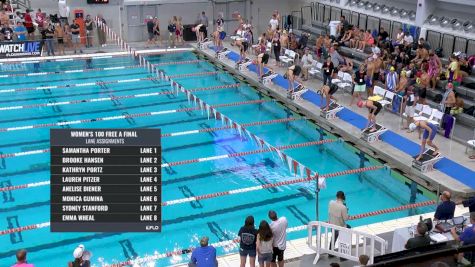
20 49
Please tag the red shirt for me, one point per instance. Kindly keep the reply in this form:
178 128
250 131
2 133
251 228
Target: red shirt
28 20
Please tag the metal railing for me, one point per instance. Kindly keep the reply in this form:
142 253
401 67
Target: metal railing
23 4
342 245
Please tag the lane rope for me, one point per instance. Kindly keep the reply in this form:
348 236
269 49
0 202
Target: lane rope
119 117
204 159
178 62
101 99
91 83
40 151
69 71
244 190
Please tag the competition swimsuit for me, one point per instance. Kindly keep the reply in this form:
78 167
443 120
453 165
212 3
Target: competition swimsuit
378 108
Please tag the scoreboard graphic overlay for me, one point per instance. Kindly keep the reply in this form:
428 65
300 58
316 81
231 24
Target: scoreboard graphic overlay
105 180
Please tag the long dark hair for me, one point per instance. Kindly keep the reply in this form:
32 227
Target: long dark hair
265 233
249 222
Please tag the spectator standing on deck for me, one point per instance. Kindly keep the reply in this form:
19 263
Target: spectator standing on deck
446 208
328 69
264 246
59 34
101 34
359 80
21 259
40 18
76 38
150 33
203 19
274 22
89 31
247 242
410 100
338 212
7 33
204 256
49 38
279 231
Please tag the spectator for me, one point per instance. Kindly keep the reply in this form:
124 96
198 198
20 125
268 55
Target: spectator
382 35
446 208
81 257
21 259
179 31
359 80
337 59
4 18
343 26
68 34
399 38
156 31
101 34
274 22
308 62
20 31
264 244
203 19
89 31
76 38
277 47
29 24
247 244
453 69
410 100
420 239
467 237
363 259
391 79
171 33
424 44
49 37
459 105
7 33
448 99
375 49
150 29
408 41
402 84
328 69
40 18
279 231
435 67
204 256
59 34
337 213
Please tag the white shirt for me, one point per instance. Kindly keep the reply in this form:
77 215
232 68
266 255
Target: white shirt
400 37
274 23
307 60
408 39
279 228
376 50
337 213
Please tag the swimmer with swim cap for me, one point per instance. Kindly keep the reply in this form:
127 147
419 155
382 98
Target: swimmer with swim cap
374 107
430 131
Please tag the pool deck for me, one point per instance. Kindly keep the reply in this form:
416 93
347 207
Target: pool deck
394 157
298 254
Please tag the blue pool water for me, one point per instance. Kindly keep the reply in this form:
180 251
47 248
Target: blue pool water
183 224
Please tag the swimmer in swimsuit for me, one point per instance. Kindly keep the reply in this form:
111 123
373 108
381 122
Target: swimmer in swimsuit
374 107
430 130
327 92
262 60
292 72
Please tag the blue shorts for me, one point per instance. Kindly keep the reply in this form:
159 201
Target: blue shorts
426 133
245 252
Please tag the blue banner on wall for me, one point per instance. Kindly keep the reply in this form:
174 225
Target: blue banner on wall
20 49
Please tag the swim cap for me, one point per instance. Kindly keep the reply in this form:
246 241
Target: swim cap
412 127
392 69
78 251
450 85
360 104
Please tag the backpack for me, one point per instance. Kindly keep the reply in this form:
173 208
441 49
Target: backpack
171 28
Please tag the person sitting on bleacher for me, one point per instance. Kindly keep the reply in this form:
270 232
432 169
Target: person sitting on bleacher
435 67
408 42
422 55
375 49
366 40
308 62
424 43
347 37
382 36
399 38
453 70
357 36
459 104
343 26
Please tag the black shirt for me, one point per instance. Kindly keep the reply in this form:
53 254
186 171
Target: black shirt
89 25
49 33
445 210
384 35
150 26
74 26
7 33
359 78
417 242
248 238
470 203
328 68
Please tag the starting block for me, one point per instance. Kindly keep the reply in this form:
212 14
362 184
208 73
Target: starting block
242 65
268 77
298 92
204 44
313 72
371 137
221 55
333 109
427 162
